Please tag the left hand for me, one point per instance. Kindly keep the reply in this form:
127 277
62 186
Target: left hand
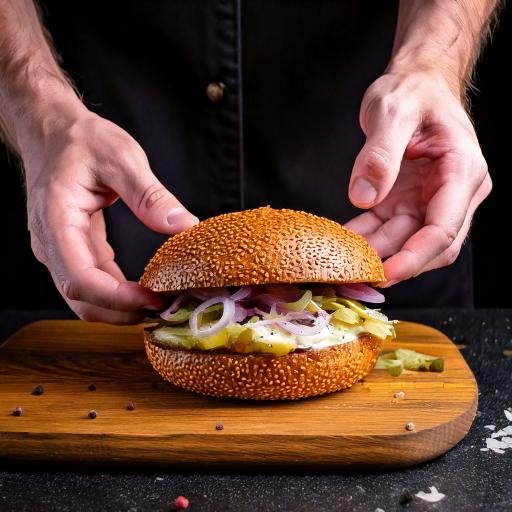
421 174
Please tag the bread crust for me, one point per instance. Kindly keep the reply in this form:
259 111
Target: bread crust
266 377
262 246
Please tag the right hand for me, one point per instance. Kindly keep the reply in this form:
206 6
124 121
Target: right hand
74 169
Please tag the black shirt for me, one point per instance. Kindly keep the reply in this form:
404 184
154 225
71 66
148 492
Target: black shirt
285 132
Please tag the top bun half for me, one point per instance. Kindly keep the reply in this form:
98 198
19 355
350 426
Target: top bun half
262 246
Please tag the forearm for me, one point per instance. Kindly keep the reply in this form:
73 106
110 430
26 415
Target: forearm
443 36
34 92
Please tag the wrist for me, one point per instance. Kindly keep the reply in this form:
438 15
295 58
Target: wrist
38 109
446 74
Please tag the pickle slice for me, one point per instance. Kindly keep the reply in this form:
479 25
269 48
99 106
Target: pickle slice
371 314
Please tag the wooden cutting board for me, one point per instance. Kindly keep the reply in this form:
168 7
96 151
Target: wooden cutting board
360 427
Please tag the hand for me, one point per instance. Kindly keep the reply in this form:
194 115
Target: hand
74 171
421 174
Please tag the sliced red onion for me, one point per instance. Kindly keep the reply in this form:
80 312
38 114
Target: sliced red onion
243 293
360 291
228 312
241 313
176 303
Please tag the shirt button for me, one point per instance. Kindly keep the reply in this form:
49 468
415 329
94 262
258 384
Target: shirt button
215 91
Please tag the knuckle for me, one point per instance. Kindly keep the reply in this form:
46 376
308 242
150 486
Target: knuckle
127 153
377 161
386 104
70 289
86 314
447 234
450 255
152 196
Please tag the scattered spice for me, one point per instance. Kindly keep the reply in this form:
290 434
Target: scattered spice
432 497
181 503
399 394
92 414
410 426
38 390
91 387
219 426
130 406
18 411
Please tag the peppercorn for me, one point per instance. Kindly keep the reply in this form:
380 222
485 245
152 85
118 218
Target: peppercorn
405 499
219 426
38 390
18 411
410 426
91 387
92 414
130 406
181 503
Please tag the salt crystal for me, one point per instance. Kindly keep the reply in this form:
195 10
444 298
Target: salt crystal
508 415
158 478
507 431
484 449
507 440
495 445
433 497
378 509
490 427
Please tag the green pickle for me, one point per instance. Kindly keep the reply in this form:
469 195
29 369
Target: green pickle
409 360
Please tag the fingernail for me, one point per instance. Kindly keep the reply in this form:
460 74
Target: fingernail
180 219
390 283
363 192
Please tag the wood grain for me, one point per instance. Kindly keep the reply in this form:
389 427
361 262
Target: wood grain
363 427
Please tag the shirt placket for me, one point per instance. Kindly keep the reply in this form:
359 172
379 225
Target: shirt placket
224 94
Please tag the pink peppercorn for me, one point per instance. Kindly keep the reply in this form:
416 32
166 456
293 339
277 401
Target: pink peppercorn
181 502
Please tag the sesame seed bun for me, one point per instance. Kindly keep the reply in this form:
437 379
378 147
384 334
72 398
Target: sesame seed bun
264 246
266 377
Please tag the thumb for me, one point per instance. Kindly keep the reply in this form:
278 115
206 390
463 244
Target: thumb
378 163
151 202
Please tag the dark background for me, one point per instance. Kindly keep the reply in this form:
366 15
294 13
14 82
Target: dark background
26 283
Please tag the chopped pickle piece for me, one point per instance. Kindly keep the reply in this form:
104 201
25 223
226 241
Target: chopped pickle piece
216 341
379 329
274 347
298 305
393 366
346 315
409 360
164 336
363 311
180 316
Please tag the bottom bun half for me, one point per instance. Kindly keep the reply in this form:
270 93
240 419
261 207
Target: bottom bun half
266 377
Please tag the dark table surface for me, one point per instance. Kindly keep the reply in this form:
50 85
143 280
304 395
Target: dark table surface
471 479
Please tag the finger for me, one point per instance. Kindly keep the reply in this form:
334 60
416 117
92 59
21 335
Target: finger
365 223
91 313
72 262
450 255
444 219
389 130
391 236
149 200
103 253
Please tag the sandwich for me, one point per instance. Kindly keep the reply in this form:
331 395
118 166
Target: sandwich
266 304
